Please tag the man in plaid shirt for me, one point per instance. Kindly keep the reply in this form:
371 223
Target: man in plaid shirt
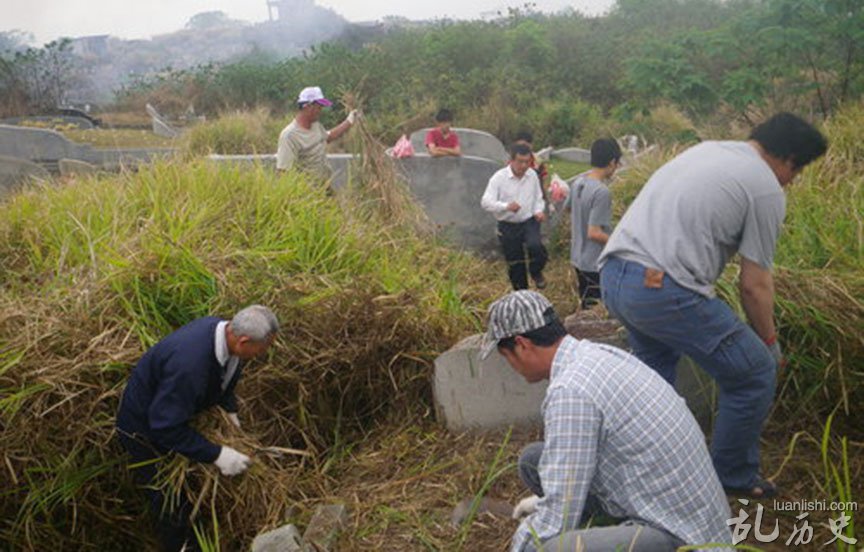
618 440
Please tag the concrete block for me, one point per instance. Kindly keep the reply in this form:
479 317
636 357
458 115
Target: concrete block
574 155
475 143
326 524
284 539
14 172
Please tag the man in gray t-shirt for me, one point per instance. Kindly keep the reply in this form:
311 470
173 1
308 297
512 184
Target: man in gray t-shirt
590 206
658 270
303 143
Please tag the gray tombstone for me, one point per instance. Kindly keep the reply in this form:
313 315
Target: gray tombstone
471 394
475 143
160 124
490 395
15 172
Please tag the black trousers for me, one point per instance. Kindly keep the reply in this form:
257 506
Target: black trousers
517 239
589 287
172 519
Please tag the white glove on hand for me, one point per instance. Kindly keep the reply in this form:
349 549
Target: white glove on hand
235 419
526 506
354 116
231 462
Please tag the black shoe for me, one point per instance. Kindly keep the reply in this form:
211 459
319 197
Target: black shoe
540 282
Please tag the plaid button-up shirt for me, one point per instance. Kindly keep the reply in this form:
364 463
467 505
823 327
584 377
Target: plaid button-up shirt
616 429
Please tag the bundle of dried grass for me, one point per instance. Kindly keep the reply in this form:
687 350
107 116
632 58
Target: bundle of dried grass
380 179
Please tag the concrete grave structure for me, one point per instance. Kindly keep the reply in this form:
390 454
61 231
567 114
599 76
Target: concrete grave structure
574 155
14 172
52 120
450 188
475 143
48 147
471 395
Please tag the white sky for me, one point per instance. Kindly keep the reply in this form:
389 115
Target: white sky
50 19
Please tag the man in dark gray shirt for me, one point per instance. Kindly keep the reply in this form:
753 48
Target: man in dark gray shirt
590 206
658 270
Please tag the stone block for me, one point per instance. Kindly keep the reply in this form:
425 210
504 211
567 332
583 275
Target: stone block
284 539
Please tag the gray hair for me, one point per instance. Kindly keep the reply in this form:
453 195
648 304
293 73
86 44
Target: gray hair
256 322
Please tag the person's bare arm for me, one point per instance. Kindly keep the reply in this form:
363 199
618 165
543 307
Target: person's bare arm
336 132
756 286
595 233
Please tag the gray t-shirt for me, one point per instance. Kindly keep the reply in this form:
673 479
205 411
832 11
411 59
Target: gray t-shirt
590 203
698 210
305 148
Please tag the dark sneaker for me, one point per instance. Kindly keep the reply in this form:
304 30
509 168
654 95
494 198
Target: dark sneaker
540 282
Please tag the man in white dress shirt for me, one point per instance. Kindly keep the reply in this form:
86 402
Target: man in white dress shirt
513 196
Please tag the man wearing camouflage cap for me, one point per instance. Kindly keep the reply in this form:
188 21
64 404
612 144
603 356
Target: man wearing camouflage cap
618 440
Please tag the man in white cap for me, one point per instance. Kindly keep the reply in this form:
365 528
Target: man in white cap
303 143
619 441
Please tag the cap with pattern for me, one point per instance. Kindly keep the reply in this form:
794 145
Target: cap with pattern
516 313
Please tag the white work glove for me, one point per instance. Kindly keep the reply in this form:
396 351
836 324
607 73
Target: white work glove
235 419
231 462
354 116
526 507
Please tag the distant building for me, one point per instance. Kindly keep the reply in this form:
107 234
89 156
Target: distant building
287 10
90 46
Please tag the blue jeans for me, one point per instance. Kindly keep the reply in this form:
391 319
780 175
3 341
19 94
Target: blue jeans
665 322
629 535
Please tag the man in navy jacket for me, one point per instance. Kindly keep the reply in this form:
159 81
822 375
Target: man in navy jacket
191 370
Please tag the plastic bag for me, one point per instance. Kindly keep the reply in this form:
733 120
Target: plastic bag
403 148
558 189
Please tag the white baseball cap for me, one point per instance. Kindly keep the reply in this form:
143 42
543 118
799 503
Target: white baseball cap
313 94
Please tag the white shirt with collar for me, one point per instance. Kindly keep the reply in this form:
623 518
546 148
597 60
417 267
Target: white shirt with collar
505 187
223 355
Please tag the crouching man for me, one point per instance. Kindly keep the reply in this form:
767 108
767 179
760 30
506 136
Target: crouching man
191 370
618 440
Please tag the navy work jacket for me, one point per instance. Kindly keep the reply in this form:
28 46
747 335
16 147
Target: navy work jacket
176 379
